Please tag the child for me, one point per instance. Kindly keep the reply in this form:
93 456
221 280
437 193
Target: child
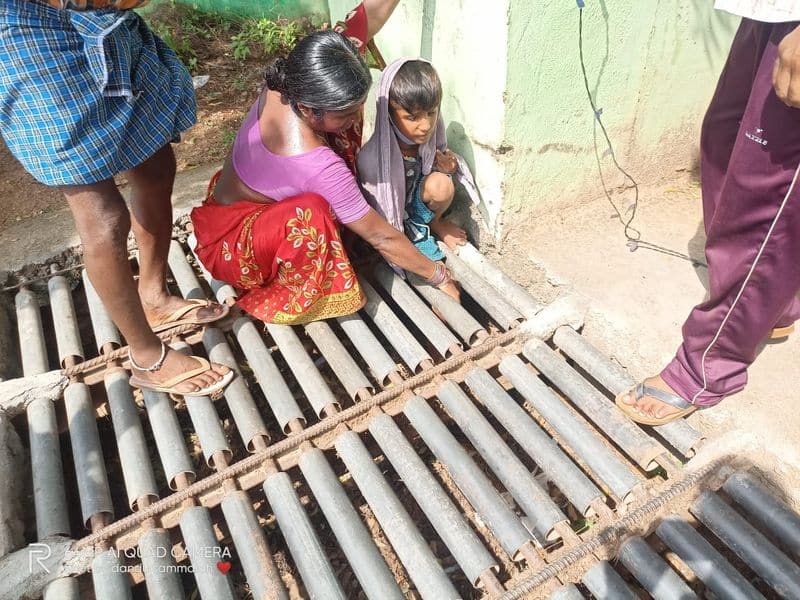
406 169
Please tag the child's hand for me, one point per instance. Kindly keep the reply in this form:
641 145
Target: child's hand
445 162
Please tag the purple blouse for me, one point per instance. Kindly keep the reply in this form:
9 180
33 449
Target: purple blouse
320 171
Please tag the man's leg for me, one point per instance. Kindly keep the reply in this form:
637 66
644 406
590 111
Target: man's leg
752 249
438 191
151 208
721 128
103 222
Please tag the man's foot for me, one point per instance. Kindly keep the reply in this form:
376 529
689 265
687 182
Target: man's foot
175 366
648 406
450 233
781 333
166 311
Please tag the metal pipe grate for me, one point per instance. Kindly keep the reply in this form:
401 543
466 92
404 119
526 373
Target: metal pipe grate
419 448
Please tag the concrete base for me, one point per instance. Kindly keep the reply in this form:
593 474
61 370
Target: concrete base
17 394
26 572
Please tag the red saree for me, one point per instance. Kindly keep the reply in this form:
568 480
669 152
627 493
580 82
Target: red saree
287 257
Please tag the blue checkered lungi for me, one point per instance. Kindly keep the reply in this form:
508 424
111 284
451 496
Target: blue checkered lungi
87 95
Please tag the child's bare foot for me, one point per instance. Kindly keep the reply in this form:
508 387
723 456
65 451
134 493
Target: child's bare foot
450 233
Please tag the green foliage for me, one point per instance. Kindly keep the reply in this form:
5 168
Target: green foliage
268 36
229 137
582 525
193 33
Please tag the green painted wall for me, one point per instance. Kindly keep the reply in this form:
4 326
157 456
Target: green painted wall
515 103
652 68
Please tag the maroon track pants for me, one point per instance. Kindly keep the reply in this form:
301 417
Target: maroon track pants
750 154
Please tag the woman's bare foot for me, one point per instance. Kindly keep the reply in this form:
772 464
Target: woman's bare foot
450 233
652 407
158 308
175 363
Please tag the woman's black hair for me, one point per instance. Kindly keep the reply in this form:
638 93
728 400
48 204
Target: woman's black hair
416 86
323 72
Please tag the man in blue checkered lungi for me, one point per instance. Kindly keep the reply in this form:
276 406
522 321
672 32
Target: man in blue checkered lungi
87 92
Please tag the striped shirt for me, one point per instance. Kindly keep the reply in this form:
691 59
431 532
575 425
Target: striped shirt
85 95
94 4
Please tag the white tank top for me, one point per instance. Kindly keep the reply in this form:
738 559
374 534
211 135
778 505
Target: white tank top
767 11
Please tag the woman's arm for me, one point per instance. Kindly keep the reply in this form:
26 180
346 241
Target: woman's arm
392 244
337 185
396 248
378 12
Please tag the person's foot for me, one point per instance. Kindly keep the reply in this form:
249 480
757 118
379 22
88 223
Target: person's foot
175 364
450 233
649 406
781 332
159 309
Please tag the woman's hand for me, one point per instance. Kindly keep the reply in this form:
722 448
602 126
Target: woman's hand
445 162
442 279
378 12
786 74
396 248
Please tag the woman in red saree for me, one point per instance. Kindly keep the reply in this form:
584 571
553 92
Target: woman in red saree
270 222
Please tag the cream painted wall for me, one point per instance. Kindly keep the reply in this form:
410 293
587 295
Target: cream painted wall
473 74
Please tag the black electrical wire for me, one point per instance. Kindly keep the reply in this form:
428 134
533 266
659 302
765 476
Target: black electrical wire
632 235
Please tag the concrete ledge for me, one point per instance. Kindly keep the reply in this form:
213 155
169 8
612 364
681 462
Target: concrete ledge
25 573
12 458
17 394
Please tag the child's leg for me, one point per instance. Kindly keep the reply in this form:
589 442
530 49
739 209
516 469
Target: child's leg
437 193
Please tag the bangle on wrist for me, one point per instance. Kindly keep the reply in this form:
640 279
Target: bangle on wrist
448 279
441 275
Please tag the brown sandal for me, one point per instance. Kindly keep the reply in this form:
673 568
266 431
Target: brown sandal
642 390
176 317
168 387
779 333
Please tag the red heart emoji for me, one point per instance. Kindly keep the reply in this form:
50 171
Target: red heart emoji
224 567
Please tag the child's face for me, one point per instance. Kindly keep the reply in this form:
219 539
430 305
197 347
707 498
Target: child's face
417 126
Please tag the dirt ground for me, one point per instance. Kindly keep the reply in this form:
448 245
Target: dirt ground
22 197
